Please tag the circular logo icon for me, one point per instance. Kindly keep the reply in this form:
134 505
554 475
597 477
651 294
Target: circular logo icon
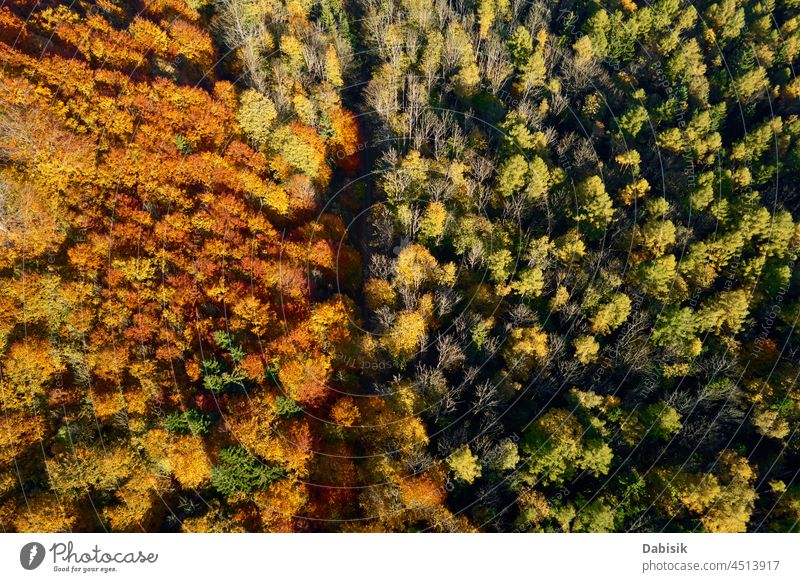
31 555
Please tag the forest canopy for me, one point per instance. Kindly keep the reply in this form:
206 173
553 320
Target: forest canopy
399 265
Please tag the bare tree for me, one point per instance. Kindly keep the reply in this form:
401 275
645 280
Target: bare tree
494 64
450 353
245 35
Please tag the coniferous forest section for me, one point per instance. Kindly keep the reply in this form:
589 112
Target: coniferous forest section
399 266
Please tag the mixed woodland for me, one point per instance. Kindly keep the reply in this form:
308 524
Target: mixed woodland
399 265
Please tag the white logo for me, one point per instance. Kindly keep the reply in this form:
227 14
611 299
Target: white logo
31 555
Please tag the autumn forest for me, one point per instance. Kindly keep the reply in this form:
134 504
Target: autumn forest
399 266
